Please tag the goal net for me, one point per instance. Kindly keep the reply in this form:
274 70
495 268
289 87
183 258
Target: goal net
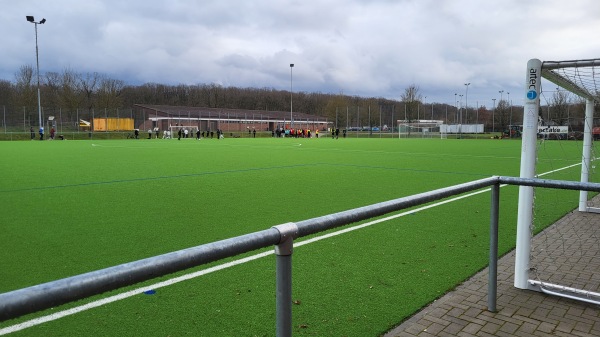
559 261
419 128
187 131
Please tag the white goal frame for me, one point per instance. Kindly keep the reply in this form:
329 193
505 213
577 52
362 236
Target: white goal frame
420 128
570 76
173 129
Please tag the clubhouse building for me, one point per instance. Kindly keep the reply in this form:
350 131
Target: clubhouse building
173 118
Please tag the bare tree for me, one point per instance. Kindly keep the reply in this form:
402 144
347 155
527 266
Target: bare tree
6 92
25 95
109 93
503 114
412 99
89 84
335 110
70 90
558 110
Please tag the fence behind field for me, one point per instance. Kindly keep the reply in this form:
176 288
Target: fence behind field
36 298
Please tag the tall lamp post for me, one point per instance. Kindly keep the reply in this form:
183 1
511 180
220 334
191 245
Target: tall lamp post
493 112
460 109
460 117
37 61
467 101
431 110
509 107
502 111
456 106
291 96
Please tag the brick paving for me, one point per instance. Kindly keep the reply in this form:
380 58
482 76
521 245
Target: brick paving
463 312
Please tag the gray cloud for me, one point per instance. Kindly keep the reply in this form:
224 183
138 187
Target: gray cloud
358 47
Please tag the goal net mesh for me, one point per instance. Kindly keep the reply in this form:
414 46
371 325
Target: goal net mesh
419 129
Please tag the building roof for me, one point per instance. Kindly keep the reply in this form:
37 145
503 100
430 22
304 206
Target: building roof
220 113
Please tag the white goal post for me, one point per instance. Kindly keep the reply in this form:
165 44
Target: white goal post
577 77
175 128
422 128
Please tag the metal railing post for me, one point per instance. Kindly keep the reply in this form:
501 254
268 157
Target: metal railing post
283 252
493 268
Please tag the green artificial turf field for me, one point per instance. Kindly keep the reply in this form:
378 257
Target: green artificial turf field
70 207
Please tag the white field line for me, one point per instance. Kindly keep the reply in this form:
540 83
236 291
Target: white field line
559 169
114 298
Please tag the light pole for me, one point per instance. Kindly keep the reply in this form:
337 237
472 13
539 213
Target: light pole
291 96
460 109
37 61
456 106
431 110
509 107
559 100
467 101
493 112
460 118
502 118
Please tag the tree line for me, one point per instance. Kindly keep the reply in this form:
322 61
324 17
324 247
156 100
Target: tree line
70 90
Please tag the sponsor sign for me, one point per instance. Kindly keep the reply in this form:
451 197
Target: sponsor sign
532 84
545 130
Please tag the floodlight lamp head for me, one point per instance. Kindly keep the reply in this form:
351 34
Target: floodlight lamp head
30 18
43 21
291 65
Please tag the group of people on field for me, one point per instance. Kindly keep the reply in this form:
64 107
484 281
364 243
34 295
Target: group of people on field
41 133
184 133
295 133
181 133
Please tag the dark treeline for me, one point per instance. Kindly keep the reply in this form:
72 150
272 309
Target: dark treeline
84 92
71 91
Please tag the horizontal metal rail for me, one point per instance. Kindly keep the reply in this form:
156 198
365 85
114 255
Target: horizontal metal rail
51 294
549 183
567 292
47 295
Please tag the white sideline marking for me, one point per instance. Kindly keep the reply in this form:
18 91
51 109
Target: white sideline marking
560 169
114 298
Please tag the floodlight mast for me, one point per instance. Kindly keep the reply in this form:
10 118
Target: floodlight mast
493 117
467 102
37 61
291 97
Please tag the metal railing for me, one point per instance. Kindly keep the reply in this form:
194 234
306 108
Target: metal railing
36 298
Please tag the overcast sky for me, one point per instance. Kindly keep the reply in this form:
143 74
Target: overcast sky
370 48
